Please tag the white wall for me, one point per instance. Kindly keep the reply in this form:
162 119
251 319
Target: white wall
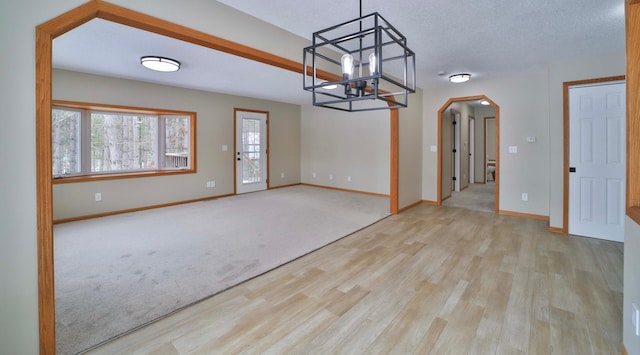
530 105
214 126
481 113
410 164
560 72
357 144
18 19
18 251
463 145
523 103
346 144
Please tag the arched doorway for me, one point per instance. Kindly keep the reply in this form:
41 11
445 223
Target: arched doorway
446 161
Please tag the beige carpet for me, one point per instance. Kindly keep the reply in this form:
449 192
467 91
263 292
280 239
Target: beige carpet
116 273
477 197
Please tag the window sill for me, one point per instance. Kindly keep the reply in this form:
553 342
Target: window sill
634 213
142 174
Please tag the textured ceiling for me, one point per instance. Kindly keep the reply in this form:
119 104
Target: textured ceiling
488 39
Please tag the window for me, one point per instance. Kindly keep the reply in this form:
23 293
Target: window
94 140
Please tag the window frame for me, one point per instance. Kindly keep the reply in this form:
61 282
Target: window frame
85 175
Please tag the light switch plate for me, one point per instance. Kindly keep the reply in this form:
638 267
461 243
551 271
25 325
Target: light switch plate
434 149
225 148
513 149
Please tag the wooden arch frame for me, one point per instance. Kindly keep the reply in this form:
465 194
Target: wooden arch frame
45 33
440 111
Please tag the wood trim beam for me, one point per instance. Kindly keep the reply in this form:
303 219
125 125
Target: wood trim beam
346 190
632 12
44 193
137 209
394 190
525 215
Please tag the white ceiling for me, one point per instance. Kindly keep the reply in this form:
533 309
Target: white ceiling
107 48
488 39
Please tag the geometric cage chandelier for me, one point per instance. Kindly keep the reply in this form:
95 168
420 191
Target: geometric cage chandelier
350 65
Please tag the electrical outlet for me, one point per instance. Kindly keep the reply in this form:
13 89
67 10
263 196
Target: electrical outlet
525 196
330 176
212 183
348 178
282 175
314 174
98 196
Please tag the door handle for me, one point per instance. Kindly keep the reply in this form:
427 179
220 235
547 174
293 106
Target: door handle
572 169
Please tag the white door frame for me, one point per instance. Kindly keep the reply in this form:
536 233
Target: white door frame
568 199
239 156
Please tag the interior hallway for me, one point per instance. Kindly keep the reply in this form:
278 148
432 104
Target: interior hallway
477 197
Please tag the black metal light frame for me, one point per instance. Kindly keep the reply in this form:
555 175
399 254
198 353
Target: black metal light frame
391 82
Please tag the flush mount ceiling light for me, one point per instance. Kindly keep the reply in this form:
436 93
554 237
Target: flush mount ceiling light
327 85
160 63
484 102
459 78
367 58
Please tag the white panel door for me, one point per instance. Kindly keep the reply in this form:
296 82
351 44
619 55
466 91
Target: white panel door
597 160
251 151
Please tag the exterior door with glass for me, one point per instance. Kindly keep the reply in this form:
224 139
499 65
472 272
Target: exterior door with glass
251 151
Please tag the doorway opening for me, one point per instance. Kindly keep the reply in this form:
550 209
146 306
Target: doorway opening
252 152
463 145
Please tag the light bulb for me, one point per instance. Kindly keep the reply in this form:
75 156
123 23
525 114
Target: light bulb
373 63
347 65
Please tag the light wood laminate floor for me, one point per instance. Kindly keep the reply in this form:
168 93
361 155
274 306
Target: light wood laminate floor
433 280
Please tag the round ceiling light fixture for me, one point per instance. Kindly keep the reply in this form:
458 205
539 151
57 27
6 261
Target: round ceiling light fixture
160 63
459 78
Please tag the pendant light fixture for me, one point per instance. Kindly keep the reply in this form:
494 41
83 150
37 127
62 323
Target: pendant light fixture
366 58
